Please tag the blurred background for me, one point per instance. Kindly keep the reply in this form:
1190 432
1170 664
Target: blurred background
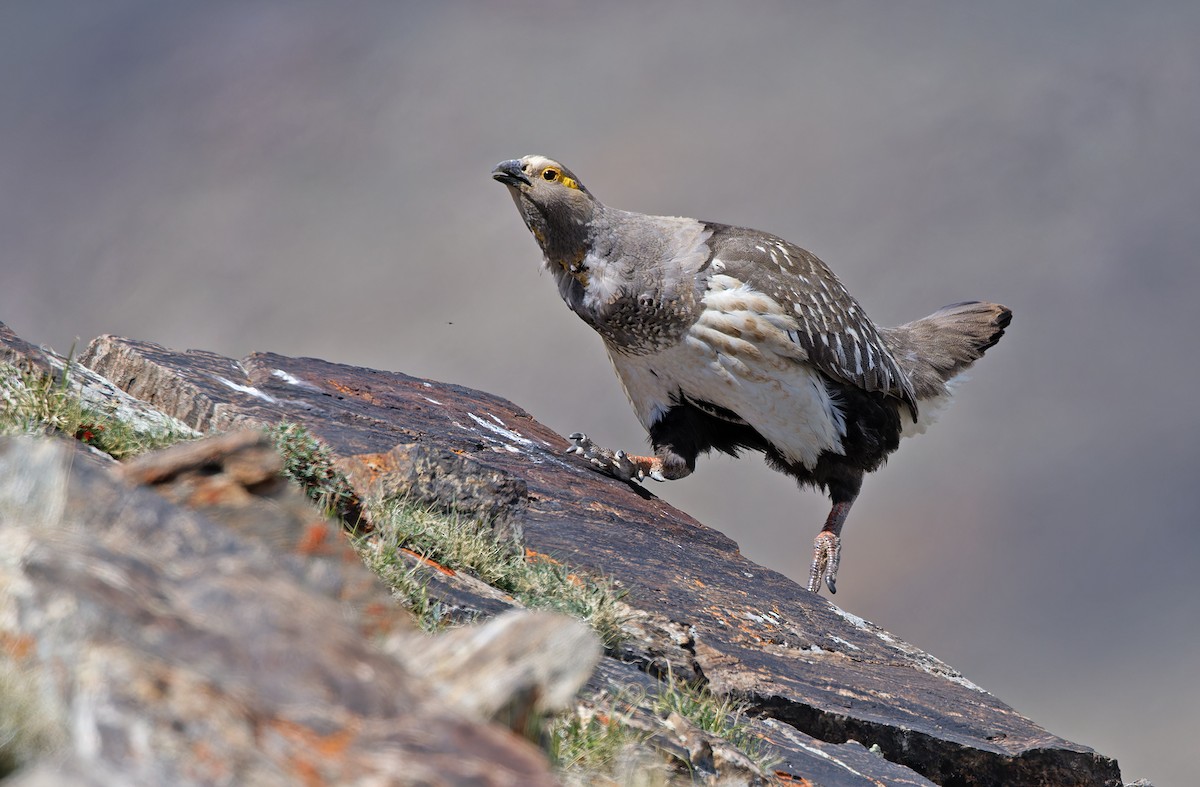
313 179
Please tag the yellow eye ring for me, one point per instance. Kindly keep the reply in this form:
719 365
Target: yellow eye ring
550 174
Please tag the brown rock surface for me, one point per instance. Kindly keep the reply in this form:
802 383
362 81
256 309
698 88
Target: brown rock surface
825 675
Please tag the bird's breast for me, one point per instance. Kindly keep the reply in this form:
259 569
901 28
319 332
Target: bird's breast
725 361
630 313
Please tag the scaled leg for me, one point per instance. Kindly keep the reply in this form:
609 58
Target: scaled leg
827 547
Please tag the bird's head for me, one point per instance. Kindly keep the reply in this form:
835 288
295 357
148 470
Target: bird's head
554 204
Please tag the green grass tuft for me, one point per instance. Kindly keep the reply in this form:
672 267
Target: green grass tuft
724 717
462 544
32 403
409 582
587 747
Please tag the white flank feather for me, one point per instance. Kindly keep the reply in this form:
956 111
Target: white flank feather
738 356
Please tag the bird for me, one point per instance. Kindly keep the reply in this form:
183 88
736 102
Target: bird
733 339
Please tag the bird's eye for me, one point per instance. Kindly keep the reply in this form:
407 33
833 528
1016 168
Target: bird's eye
550 174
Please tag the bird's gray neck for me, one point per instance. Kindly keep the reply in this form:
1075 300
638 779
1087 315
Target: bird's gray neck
561 230
634 278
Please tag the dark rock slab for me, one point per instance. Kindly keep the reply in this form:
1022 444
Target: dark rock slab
751 631
850 764
171 650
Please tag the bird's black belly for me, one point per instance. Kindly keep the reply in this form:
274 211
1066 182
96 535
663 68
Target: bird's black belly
872 432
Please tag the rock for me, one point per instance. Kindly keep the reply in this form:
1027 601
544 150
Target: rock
70 770
511 668
170 650
821 676
699 746
226 468
428 475
234 478
158 387
800 758
507 669
689 751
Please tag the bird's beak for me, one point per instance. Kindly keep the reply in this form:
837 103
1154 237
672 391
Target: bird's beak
509 173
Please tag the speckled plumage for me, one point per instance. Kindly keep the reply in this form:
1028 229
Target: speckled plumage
730 338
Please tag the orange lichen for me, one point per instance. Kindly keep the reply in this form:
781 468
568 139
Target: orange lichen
312 747
783 777
316 541
355 392
535 557
17 646
380 619
431 563
372 465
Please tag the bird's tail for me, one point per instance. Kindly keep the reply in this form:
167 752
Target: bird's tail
935 349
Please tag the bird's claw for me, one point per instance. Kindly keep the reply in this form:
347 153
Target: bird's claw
617 464
827 554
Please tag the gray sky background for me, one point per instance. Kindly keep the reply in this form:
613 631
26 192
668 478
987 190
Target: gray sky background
313 179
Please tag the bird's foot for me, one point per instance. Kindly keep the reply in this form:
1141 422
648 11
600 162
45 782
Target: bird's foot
617 464
827 553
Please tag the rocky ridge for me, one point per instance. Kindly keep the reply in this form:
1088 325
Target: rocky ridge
836 700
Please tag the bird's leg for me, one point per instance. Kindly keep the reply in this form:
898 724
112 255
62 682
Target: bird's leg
664 465
827 550
827 546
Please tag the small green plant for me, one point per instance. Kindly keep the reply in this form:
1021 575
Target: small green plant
461 544
596 743
588 743
724 717
408 582
309 462
34 403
